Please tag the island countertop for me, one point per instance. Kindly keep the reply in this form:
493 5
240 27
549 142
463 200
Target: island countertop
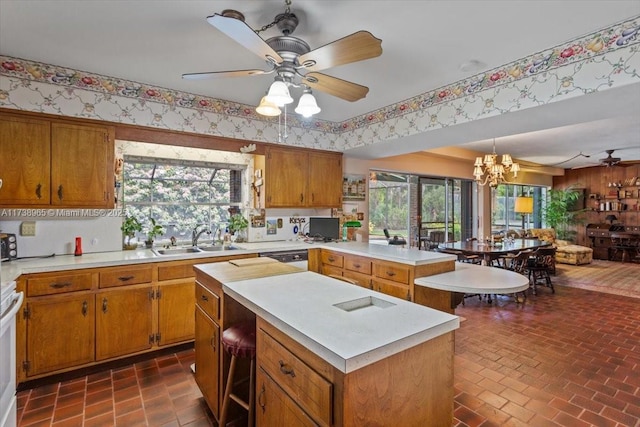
369 327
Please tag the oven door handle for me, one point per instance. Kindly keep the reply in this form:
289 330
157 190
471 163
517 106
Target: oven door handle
15 306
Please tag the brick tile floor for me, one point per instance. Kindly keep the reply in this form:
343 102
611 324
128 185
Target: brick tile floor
566 359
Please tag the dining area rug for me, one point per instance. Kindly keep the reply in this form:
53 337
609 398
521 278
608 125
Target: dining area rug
602 276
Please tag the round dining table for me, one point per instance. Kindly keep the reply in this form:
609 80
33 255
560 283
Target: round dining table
489 251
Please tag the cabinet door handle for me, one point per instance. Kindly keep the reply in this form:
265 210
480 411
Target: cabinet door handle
60 285
85 308
286 369
204 297
214 340
60 193
390 273
39 191
356 265
104 305
331 259
301 197
125 278
261 401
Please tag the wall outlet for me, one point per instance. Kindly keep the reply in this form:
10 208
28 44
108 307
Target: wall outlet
28 228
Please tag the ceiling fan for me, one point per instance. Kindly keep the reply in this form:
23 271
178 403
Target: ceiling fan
612 161
291 58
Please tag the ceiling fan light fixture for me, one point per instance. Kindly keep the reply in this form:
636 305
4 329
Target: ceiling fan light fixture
279 94
307 105
267 108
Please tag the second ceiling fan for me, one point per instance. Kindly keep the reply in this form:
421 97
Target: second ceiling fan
291 57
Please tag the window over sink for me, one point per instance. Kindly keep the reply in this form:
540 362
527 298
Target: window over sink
180 194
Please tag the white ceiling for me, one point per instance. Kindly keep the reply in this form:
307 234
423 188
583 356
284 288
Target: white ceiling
424 43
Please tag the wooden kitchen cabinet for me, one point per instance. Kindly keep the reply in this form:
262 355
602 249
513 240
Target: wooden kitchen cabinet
176 321
391 278
25 150
124 322
207 350
82 165
78 318
296 178
55 163
60 333
275 407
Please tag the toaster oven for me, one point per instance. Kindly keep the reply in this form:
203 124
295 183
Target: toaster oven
8 247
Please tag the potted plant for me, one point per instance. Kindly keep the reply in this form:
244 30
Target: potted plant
237 223
154 230
129 227
557 212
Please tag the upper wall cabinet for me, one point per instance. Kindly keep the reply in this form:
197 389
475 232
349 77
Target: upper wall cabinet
55 163
295 178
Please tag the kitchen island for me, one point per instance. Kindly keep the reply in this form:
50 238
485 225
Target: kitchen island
375 359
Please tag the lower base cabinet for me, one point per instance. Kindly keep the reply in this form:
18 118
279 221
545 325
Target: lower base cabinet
123 322
63 329
77 318
274 407
207 349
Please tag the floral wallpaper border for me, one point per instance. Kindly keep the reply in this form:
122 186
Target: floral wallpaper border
410 116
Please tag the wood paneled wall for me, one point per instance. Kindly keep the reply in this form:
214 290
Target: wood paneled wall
596 181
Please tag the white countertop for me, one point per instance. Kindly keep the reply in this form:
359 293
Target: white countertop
11 270
470 278
302 306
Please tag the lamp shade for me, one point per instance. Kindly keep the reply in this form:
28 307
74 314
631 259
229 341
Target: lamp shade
523 205
267 108
279 94
307 105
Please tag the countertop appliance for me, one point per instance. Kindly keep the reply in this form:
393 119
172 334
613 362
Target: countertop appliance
10 303
296 257
8 247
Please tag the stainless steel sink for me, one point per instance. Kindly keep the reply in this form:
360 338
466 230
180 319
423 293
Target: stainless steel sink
176 251
190 250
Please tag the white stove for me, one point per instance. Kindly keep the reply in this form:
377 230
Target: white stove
10 303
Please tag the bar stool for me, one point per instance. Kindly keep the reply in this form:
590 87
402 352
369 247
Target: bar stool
240 342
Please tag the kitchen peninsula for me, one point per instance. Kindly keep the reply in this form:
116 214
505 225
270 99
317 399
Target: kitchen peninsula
379 360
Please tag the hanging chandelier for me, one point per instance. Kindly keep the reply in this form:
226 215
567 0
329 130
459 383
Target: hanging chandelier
489 171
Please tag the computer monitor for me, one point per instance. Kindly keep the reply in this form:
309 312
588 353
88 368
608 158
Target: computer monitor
324 228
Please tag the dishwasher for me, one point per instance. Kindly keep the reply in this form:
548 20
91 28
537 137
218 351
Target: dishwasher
297 257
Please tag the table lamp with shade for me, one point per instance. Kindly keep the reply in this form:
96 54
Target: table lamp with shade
524 206
611 218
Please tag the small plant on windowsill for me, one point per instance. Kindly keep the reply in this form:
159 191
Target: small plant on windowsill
129 227
155 230
238 223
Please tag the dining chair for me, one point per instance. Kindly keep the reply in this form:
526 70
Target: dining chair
395 240
539 268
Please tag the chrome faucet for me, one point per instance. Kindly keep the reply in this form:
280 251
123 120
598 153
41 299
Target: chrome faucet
195 234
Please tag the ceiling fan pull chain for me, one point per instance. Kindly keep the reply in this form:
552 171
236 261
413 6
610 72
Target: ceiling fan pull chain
279 18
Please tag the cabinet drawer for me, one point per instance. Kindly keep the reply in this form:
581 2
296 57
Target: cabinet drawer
176 271
396 272
208 301
363 280
58 284
389 287
333 259
304 385
123 276
359 264
329 270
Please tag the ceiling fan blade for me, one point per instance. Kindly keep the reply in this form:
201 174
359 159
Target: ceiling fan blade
219 74
337 87
352 48
242 33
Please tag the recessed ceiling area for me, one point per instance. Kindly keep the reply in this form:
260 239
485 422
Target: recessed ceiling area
424 45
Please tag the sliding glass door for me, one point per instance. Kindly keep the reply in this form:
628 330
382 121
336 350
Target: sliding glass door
445 209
